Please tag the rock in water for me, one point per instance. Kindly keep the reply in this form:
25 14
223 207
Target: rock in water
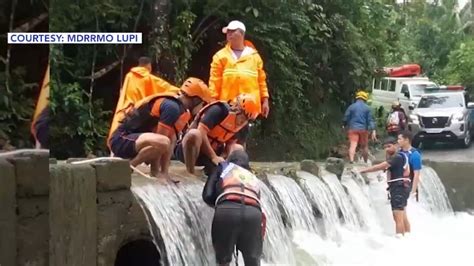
310 166
335 166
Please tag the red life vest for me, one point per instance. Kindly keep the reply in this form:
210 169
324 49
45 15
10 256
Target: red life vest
240 185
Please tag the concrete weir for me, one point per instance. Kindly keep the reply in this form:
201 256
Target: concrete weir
58 213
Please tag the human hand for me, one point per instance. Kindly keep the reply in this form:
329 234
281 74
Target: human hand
216 160
374 136
265 108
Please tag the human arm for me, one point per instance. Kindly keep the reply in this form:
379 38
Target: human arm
415 164
262 85
209 192
374 168
371 124
347 116
215 77
211 118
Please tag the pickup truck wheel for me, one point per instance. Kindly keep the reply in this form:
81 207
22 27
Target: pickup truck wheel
466 141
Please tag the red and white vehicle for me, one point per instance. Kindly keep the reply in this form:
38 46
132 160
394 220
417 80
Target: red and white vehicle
404 84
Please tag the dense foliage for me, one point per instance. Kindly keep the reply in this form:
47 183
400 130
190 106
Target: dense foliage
316 54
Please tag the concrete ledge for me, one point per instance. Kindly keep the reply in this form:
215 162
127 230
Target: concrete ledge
113 175
32 175
7 213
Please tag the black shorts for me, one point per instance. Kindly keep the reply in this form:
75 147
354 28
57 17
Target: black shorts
202 159
399 193
122 144
238 225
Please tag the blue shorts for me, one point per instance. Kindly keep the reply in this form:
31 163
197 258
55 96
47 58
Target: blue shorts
122 144
399 193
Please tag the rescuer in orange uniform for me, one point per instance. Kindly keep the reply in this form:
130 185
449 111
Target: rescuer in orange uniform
138 84
238 68
149 131
211 136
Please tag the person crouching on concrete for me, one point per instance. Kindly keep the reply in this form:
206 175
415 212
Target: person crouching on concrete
149 131
238 219
212 134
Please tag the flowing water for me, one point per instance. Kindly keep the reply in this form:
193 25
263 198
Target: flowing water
361 202
355 225
277 246
433 193
320 195
296 206
337 190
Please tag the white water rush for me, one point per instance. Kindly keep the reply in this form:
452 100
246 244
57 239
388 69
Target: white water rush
315 220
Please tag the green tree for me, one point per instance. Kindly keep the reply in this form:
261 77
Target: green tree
461 65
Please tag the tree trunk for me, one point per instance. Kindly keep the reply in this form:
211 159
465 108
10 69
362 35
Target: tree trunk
160 48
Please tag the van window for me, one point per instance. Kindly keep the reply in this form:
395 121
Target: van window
405 91
393 85
376 84
384 85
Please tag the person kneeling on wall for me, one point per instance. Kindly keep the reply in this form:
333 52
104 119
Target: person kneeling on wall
239 223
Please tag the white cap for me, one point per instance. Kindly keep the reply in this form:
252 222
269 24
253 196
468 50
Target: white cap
233 25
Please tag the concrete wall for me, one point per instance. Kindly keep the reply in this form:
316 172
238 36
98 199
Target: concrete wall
51 214
24 210
458 179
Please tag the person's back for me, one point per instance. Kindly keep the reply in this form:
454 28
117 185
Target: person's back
238 219
359 116
358 119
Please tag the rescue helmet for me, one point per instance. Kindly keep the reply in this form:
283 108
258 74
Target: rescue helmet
249 105
362 95
195 87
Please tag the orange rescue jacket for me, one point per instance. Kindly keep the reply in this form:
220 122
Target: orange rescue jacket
230 77
225 130
239 184
138 84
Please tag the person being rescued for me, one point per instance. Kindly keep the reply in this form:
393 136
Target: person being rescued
232 189
148 132
397 120
399 183
212 134
138 84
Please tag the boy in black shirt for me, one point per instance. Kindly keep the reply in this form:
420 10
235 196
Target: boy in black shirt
398 181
